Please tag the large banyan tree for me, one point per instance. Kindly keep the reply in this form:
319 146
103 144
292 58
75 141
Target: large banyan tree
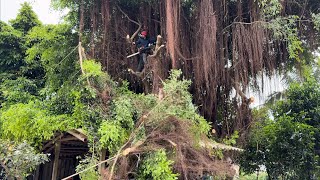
223 46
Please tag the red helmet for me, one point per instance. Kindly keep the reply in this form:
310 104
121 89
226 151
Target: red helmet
144 33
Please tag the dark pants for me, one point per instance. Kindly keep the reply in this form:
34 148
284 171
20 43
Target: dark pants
142 61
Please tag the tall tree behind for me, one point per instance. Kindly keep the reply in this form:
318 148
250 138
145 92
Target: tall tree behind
19 78
26 19
221 45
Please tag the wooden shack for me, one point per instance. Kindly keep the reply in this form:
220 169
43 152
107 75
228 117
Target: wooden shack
64 148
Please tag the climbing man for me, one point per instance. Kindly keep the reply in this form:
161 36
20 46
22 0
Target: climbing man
144 46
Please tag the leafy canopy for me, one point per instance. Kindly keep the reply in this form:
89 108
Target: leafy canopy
11 48
29 122
26 19
288 146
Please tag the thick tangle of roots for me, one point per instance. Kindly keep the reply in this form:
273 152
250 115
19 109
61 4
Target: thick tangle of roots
175 136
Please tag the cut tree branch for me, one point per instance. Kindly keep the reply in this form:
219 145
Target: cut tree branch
159 46
130 39
82 54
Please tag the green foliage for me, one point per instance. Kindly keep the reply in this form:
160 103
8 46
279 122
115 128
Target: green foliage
19 81
142 103
260 175
26 19
93 72
11 48
316 68
19 160
114 127
85 163
61 4
62 101
20 90
178 102
232 140
288 146
285 148
112 135
72 17
92 69
228 140
124 112
128 107
115 131
29 122
270 8
286 29
217 153
302 103
23 115
157 166
316 20
54 47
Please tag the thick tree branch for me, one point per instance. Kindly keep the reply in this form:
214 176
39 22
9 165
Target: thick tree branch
130 39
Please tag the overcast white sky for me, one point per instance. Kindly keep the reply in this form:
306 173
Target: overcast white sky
9 10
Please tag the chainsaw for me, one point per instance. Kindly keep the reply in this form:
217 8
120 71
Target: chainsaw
151 46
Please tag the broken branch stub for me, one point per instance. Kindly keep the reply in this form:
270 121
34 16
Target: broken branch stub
159 46
130 39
